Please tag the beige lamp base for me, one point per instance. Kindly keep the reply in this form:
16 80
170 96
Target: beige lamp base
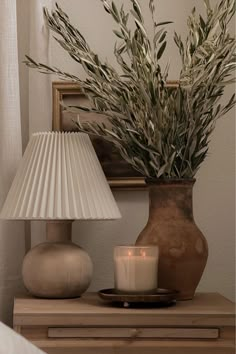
57 268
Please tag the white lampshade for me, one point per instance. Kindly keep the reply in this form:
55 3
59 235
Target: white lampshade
60 177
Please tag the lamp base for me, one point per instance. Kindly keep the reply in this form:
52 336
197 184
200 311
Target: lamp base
57 269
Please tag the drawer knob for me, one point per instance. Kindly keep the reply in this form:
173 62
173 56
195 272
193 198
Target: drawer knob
135 332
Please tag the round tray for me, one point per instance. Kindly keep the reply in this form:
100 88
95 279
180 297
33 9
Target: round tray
160 297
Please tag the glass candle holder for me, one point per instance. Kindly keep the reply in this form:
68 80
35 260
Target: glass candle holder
136 269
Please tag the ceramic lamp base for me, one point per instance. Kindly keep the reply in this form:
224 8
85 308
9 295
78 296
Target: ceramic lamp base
57 268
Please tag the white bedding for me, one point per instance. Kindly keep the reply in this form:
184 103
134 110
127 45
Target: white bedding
13 343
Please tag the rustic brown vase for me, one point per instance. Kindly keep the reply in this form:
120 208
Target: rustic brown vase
183 249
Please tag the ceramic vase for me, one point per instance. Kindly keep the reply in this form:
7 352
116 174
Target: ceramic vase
183 249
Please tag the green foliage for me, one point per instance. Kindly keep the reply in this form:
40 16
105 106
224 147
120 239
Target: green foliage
162 131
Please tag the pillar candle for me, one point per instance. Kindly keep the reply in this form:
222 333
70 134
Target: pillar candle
136 269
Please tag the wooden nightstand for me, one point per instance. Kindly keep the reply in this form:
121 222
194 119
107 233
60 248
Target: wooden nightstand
87 325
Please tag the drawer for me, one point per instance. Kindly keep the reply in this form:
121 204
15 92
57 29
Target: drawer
121 332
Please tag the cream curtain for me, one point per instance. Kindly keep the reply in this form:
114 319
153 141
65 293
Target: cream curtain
40 117
11 233
39 85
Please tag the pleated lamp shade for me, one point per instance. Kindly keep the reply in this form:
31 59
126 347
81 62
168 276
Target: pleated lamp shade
60 177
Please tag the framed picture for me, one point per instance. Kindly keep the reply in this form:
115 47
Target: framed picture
119 173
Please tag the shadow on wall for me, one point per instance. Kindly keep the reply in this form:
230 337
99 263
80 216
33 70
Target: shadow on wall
11 257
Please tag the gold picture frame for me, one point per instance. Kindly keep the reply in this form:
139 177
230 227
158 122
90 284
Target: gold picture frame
118 172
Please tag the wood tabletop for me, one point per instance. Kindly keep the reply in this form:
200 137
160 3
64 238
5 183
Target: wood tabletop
90 303
205 309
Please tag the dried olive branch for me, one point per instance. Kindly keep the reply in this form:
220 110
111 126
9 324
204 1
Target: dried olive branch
163 132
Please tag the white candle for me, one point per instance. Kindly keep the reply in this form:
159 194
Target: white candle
136 271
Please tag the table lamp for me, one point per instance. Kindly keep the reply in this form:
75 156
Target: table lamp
59 180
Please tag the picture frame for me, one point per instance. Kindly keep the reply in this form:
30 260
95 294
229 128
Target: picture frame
119 173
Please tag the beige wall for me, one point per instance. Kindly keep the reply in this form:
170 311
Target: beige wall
214 197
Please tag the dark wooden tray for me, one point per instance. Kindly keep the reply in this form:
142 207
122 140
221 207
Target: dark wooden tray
160 297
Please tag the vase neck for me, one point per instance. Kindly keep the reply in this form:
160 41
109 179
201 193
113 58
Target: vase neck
59 231
171 201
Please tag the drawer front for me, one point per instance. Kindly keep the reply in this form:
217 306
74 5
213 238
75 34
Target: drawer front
139 346
158 333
